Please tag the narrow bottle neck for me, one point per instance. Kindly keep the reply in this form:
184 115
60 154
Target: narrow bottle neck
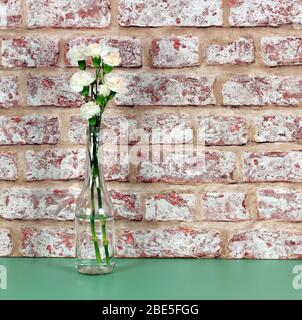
93 137
93 144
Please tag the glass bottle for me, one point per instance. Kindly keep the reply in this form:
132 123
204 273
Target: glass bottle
94 215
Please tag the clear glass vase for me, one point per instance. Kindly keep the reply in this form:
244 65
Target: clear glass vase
94 216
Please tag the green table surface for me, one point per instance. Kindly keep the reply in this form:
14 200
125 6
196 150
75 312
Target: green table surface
35 279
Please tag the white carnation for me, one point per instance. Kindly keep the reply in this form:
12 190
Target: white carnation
90 110
80 80
112 58
96 50
101 212
104 90
76 54
114 83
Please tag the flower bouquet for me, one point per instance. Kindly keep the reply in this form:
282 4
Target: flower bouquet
94 218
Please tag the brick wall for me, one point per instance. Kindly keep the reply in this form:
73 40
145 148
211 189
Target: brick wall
227 73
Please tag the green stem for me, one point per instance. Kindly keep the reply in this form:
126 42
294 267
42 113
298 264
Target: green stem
105 240
96 172
97 80
97 76
96 175
92 226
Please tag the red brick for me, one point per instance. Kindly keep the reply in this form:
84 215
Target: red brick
287 90
52 91
170 206
174 52
29 52
225 206
115 130
281 51
9 93
262 90
31 129
130 49
119 130
68 14
239 51
247 90
8 166
126 205
169 243
10 13
157 89
115 164
155 13
47 242
55 164
265 244
170 127
280 204
265 12
39 204
78 130
222 130
6 244
186 166
273 166
275 128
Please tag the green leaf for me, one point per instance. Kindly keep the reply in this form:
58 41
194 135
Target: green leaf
96 61
101 100
85 91
92 121
82 65
111 95
107 69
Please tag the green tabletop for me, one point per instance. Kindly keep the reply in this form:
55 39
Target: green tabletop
29 278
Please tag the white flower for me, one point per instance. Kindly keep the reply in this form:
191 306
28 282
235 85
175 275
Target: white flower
112 58
76 54
80 80
104 90
96 50
89 110
114 83
101 212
